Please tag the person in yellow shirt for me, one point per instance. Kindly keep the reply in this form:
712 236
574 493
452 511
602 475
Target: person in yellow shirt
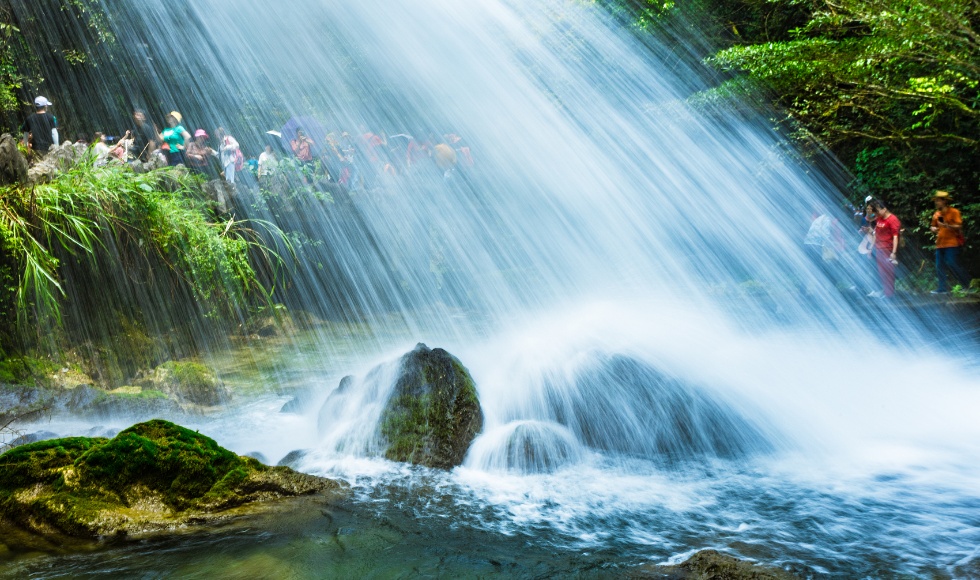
947 224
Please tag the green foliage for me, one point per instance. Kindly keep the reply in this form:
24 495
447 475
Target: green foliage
891 86
160 217
881 70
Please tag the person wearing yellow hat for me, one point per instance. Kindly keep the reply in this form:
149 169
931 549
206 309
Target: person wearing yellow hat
174 137
947 224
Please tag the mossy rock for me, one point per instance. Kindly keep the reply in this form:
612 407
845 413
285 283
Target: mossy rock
712 565
152 476
25 370
434 413
187 381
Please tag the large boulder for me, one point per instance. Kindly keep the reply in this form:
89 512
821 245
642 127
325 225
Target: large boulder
434 413
57 160
13 164
153 476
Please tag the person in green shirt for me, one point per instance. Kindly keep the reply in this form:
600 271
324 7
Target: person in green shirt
174 137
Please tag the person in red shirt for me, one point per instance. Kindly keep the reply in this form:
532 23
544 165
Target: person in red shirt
887 234
947 224
301 147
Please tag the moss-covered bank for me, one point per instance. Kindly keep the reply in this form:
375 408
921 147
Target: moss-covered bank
152 476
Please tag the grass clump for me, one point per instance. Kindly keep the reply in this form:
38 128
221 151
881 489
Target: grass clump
93 227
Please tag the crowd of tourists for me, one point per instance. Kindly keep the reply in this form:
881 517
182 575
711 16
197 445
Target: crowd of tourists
350 161
354 161
882 243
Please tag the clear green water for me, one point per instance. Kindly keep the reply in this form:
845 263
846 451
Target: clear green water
308 538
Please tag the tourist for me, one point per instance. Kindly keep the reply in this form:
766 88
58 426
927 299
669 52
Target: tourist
41 128
144 136
445 159
101 148
887 233
198 154
948 227
174 137
122 148
302 147
267 163
232 159
823 241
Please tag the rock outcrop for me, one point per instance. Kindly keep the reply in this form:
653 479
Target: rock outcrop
220 192
13 164
57 160
434 413
153 476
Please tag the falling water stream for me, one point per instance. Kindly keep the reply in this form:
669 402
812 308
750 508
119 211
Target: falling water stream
661 365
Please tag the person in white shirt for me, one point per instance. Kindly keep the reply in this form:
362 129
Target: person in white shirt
267 162
231 154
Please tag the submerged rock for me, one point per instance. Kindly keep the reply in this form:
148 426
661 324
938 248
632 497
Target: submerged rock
152 476
621 405
529 447
293 458
32 438
712 565
433 414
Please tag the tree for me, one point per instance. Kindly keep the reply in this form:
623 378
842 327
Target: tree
891 71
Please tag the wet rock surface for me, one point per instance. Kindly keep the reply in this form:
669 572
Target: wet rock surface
154 476
711 565
433 414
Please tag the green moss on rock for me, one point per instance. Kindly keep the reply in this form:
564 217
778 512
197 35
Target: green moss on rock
434 413
712 565
153 475
188 381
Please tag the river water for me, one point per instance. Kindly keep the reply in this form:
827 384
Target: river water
662 365
889 490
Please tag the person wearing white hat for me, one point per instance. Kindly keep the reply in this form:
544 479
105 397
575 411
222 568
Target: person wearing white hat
41 128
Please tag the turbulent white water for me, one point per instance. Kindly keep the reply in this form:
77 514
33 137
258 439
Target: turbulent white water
605 218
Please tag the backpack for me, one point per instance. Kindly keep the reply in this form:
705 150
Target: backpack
239 160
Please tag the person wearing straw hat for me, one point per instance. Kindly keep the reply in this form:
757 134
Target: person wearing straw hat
41 128
174 137
947 224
